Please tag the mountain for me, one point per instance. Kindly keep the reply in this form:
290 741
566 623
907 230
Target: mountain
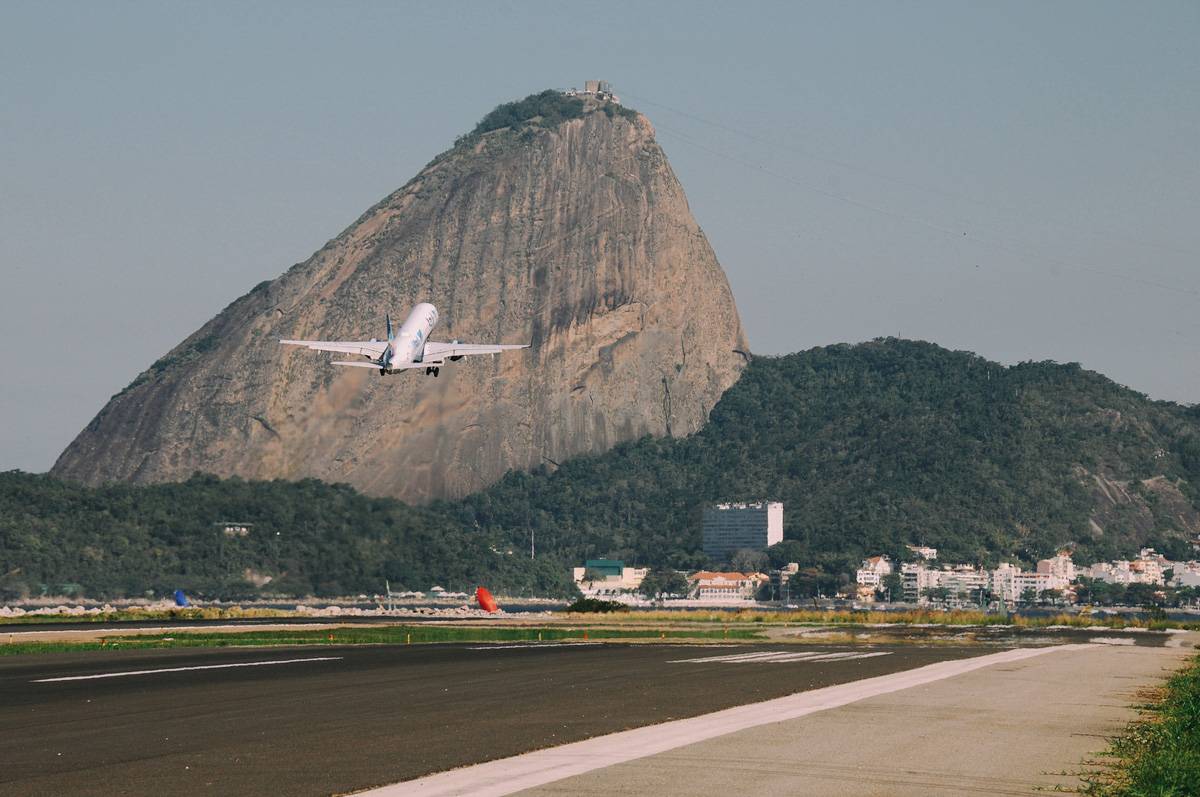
557 221
874 446
870 447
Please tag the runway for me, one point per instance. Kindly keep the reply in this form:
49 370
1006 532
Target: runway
332 719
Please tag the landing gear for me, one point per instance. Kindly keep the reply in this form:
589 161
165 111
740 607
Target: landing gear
382 371
432 369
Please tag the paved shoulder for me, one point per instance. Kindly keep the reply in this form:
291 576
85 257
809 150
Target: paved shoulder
1004 729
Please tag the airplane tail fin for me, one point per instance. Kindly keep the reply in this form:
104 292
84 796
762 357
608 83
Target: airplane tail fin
389 326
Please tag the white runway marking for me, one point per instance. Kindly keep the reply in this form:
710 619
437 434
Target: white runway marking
780 657
182 669
506 646
508 775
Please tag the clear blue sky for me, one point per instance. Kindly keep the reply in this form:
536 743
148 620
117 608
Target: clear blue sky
1017 179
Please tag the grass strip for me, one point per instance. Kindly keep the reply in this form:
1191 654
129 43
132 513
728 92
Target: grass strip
1159 754
722 616
424 633
120 615
912 617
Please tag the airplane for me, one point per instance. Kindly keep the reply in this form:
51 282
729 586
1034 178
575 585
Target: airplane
408 348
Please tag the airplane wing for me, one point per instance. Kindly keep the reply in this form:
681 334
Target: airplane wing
444 351
367 348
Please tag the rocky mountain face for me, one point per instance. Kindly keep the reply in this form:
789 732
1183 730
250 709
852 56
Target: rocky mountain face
572 234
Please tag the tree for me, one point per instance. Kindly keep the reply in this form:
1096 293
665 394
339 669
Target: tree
660 583
1028 596
892 587
591 576
937 594
1142 595
746 560
786 552
1051 596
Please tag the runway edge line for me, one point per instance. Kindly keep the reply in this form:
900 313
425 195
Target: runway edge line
536 768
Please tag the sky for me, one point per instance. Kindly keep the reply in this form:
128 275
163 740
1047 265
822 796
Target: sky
1017 179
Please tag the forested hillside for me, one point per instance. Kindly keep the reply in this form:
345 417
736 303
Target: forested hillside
877 445
307 537
869 447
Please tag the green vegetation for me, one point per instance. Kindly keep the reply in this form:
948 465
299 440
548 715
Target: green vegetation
1159 755
842 617
140 613
1101 593
612 109
870 447
423 633
549 108
619 625
663 583
123 540
596 606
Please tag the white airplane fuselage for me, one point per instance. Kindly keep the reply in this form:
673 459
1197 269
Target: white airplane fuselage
407 346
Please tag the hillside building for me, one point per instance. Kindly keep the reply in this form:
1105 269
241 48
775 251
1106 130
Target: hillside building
708 585
607 577
781 579
870 575
600 89
1187 574
923 551
1146 569
729 528
964 584
917 580
1010 583
1059 565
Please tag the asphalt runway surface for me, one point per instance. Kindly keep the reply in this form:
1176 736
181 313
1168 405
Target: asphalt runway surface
333 719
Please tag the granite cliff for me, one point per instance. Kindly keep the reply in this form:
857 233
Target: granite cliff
567 230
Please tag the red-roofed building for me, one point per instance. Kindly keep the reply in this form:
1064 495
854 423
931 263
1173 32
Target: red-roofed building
709 585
